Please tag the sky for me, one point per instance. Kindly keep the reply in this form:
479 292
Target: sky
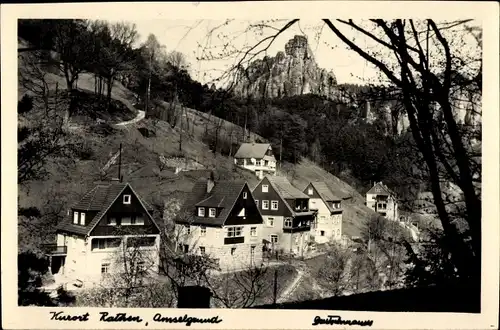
186 36
191 36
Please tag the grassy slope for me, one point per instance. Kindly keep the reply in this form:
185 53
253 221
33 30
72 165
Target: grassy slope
72 177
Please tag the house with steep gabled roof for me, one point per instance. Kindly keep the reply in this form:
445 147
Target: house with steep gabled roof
286 214
219 219
383 200
109 220
256 157
328 224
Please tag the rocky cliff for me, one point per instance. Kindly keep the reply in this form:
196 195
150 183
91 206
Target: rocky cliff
289 73
295 72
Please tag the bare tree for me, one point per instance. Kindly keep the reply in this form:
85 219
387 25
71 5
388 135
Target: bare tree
178 60
425 62
334 272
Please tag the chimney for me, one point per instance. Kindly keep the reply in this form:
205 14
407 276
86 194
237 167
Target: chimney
210 182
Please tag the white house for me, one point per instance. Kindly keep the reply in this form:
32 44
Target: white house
107 225
383 201
220 220
256 157
328 224
286 215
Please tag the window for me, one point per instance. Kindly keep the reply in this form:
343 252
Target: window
203 231
253 231
252 251
202 250
201 211
274 205
234 232
265 188
141 267
141 241
105 268
75 218
274 239
257 163
233 250
257 202
103 243
310 191
185 248
265 205
111 221
288 222
245 195
126 199
270 222
188 229
211 212
82 218
322 233
126 221
137 220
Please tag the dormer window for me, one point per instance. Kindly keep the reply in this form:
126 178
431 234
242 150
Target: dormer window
310 191
75 218
244 195
82 218
201 211
126 199
211 212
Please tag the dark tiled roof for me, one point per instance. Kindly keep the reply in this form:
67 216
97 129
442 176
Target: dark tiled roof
326 195
284 188
252 150
381 189
100 198
324 192
223 195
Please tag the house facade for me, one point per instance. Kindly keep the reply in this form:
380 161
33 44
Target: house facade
286 215
220 219
110 227
256 157
383 201
328 224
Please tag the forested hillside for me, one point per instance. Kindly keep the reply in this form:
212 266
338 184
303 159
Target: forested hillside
81 117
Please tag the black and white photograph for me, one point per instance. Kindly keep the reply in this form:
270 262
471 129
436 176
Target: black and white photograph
252 163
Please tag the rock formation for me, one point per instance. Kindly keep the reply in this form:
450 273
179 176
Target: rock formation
289 73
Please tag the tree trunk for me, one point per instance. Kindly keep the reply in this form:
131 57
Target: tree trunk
110 86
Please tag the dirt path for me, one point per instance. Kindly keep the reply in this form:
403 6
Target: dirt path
291 288
140 116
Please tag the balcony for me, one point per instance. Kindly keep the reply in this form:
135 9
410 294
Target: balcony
297 229
55 250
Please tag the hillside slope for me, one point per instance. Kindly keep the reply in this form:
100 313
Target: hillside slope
150 162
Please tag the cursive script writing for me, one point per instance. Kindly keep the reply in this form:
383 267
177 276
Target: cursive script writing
119 317
336 319
185 319
60 316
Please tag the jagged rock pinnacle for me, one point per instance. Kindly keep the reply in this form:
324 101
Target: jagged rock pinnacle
289 73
